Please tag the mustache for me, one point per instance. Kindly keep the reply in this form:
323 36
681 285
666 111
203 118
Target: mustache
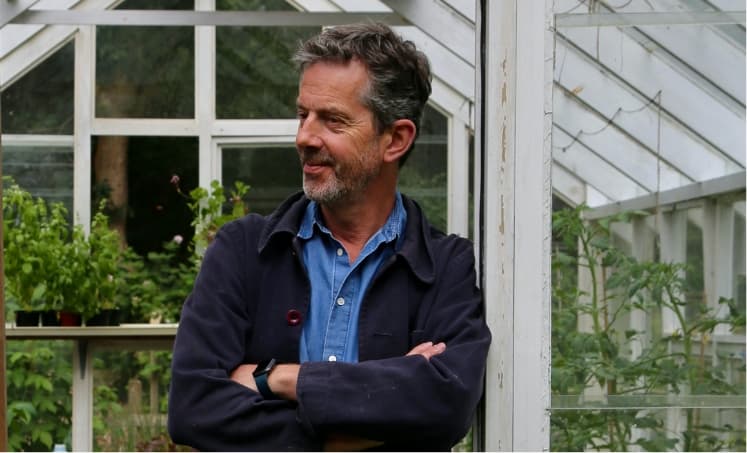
315 157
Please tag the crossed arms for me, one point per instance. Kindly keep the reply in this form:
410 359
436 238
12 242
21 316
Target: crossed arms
284 378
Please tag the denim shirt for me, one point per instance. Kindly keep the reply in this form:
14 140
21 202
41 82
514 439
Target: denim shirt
330 331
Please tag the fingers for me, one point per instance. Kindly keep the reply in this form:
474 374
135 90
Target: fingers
428 349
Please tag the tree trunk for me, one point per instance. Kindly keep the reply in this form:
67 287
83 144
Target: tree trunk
110 162
110 168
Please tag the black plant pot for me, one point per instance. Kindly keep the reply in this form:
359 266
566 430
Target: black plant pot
50 318
26 318
106 317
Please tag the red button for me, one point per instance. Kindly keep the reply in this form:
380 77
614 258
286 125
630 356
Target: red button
293 317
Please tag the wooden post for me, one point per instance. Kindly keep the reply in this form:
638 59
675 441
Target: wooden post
513 140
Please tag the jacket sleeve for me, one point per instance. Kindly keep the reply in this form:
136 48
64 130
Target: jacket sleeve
207 410
409 401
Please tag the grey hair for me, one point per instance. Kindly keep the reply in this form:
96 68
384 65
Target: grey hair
399 74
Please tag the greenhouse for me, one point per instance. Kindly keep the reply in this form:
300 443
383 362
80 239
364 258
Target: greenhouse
593 151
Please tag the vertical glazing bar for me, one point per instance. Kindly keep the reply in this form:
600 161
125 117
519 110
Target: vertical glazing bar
82 397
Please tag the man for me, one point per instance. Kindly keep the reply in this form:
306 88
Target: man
343 320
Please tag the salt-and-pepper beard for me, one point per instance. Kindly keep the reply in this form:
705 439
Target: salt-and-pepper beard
345 182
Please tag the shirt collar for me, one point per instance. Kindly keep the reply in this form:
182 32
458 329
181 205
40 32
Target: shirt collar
414 245
393 228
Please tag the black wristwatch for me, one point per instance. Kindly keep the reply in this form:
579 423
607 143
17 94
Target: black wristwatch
260 377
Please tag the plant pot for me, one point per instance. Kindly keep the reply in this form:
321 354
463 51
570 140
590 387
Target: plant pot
27 318
68 319
106 317
50 318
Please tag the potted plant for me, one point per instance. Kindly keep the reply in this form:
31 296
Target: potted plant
72 287
105 256
33 239
87 282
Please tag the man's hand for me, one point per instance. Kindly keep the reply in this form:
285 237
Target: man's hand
428 349
244 375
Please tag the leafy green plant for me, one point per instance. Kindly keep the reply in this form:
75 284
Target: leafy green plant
207 207
599 357
34 239
39 375
88 277
165 282
105 255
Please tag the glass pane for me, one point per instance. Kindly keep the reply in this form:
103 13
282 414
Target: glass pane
659 108
49 89
739 260
694 283
619 380
151 211
255 77
130 400
423 177
253 5
273 172
157 4
44 171
145 72
655 429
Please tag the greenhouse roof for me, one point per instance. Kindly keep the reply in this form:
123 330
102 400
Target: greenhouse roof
647 96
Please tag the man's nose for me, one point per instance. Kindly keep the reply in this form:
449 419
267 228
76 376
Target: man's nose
308 133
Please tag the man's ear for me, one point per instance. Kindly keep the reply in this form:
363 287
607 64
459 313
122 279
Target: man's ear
402 133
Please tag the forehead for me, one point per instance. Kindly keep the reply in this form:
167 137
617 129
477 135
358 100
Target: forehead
333 83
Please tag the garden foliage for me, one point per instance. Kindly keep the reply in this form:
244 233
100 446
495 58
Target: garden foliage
148 288
595 354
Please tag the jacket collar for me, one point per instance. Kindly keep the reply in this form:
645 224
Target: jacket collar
416 248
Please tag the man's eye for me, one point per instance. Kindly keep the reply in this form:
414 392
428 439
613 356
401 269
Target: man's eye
301 115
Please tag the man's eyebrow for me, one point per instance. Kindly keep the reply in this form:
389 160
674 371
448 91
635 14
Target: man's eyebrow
326 112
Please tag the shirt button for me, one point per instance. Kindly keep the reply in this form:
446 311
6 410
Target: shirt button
339 252
340 301
332 358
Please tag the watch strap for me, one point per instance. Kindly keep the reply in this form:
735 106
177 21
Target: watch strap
264 387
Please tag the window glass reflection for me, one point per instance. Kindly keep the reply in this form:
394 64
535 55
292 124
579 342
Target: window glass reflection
44 171
49 89
145 72
255 77
424 175
273 172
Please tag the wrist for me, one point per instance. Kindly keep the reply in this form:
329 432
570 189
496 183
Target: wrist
283 380
261 375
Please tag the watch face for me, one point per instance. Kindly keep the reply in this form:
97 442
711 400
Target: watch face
264 367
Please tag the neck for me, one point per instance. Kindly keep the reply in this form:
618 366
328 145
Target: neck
354 222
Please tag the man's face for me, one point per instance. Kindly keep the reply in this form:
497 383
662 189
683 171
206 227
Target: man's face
336 140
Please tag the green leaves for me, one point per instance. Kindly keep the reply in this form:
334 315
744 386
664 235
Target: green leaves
597 287
32 237
39 401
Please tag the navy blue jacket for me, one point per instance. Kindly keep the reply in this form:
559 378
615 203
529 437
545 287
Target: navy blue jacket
245 307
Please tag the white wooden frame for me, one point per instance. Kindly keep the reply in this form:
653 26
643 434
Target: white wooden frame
513 135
